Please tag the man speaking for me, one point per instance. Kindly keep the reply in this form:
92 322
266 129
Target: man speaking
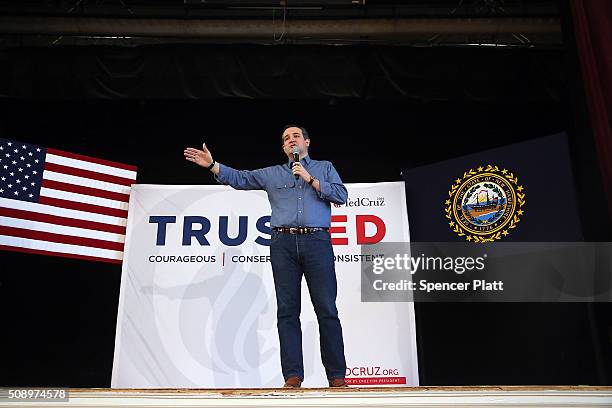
300 194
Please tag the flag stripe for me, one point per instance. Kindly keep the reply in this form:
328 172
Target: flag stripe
61 252
73 188
82 198
54 219
60 229
86 182
83 207
89 166
53 210
89 174
93 160
62 239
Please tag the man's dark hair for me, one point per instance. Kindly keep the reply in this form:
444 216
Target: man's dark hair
304 132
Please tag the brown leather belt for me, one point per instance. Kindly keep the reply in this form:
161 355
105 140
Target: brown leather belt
299 230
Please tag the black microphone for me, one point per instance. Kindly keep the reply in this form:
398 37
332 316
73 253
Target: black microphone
296 158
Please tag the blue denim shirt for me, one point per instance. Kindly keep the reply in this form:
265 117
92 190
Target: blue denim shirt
294 203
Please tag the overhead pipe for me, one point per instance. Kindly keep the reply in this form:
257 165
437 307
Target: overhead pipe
260 29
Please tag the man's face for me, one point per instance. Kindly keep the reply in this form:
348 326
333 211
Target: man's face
293 137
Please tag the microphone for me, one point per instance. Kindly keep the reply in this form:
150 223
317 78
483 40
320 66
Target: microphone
296 157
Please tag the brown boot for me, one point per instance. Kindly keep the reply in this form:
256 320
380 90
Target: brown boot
293 382
337 382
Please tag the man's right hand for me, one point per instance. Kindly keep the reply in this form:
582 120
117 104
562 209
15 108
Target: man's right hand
200 157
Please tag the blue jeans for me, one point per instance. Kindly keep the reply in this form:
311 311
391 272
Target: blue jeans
310 255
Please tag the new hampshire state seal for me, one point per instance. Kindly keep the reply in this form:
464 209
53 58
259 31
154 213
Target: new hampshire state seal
485 204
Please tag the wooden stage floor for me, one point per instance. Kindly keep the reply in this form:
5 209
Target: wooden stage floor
485 396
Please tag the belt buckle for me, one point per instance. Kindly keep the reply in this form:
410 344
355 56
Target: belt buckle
293 230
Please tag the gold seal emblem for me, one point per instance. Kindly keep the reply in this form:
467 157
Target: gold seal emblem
485 204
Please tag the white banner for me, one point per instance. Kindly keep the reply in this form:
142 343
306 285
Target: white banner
197 307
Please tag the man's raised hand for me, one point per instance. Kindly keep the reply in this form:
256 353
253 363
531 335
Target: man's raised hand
200 157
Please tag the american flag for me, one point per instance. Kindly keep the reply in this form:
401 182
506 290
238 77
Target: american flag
64 204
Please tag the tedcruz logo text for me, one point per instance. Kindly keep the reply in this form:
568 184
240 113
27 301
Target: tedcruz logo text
363 202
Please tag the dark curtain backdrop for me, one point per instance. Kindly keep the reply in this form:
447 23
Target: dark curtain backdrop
281 72
593 33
